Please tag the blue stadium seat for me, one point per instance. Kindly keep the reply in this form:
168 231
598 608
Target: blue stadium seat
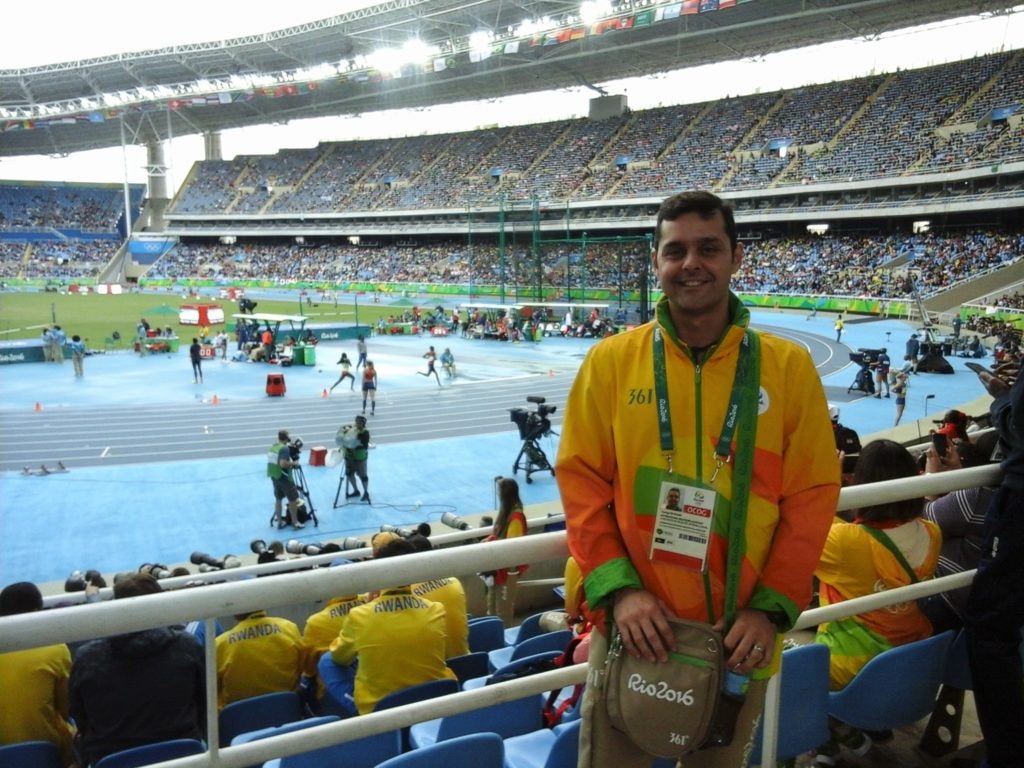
486 751
152 753
367 752
413 693
486 634
803 703
529 627
266 711
545 641
546 748
895 688
30 754
507 719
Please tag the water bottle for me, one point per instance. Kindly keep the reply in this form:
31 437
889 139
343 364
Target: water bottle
736 685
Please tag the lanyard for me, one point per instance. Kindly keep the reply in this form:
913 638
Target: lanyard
743 408
741 386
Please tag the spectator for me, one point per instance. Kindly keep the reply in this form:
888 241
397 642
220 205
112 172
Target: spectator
953 425
260 654
886 546
399 640
511 523
847 439
960 516
138 688
995 606
450 593
36 682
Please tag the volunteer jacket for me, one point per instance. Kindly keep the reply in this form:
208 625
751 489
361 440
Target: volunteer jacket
610 469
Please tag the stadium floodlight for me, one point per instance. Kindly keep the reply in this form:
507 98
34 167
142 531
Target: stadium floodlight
481 41
592 10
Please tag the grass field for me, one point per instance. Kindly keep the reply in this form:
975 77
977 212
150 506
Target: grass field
95 317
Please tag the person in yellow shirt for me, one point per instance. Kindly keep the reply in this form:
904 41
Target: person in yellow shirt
38 677
260 654
452 595
399 639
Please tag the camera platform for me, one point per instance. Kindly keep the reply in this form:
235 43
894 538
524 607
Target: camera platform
532 425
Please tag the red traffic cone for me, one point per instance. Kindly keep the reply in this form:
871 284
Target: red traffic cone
324 394
550 372
215 400
38 407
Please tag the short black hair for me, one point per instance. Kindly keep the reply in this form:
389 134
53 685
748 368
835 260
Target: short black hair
136 584
20 597
283 435
704 204
394 548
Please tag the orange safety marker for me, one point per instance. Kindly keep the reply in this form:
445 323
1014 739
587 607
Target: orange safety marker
38 407
550 372
215 400
324 394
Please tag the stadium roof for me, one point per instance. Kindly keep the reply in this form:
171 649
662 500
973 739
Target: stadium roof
315 69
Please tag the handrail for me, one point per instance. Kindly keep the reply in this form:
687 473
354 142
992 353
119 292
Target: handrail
133 614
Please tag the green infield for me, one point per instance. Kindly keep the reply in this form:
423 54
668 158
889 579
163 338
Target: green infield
95 317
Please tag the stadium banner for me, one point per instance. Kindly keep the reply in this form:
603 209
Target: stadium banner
150 246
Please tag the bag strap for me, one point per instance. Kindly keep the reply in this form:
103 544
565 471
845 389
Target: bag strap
883 538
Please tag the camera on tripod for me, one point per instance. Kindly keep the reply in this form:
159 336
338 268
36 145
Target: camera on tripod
295 449
865 357
533 424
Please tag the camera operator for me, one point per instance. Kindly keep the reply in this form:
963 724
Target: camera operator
355 440
282 457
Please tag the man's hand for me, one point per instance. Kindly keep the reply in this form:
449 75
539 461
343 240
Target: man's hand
642 621
750 642
995 385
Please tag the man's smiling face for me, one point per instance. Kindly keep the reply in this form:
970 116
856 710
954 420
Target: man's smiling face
694 263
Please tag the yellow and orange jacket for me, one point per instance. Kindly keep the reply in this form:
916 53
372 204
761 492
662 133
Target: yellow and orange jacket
610 468
855 564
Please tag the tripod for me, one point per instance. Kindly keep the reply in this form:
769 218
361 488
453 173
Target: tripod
299 478
535 459
351 489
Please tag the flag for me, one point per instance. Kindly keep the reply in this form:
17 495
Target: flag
669 11
689 6
440 64
512 47
643 18
708 5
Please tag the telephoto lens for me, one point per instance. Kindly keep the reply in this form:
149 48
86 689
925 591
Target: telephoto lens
258 546
351 542
201 558
454 521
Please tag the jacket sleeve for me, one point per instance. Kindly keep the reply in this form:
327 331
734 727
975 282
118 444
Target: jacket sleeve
585 470
808 496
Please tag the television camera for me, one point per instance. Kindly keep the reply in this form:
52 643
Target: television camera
246 305
864 380
532 425
299 478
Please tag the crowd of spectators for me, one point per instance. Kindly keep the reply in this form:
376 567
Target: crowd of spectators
870 127
63 259
842 265
63 207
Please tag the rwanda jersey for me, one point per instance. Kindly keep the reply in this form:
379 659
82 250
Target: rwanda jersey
260 654
37 679
400 640
451 594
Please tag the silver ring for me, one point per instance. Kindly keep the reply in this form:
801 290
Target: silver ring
759 648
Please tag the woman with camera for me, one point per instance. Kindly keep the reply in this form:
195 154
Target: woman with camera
503 583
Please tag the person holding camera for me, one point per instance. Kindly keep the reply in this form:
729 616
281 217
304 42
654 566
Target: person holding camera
280 463
355 442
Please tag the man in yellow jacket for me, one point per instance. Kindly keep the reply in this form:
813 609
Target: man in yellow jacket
669 406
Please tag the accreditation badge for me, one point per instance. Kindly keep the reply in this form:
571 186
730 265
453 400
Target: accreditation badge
682 525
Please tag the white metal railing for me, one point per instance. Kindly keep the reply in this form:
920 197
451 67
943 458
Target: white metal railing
133 614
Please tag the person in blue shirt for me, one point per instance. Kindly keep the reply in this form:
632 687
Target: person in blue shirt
77 347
